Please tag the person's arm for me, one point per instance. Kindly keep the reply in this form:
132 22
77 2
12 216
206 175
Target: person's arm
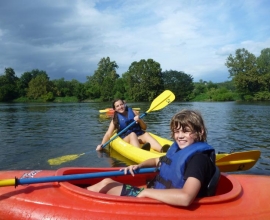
139 121
107 135
178 197
152 162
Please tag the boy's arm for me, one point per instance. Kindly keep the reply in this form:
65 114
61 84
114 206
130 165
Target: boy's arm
178 197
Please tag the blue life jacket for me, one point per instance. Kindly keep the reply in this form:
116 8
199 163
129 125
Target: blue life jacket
173 164
125 121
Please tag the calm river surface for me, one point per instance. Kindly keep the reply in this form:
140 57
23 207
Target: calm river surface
31 134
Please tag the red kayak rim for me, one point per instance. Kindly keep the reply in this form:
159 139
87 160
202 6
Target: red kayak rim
228 189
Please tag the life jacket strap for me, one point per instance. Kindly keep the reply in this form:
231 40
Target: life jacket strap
166 183
165 159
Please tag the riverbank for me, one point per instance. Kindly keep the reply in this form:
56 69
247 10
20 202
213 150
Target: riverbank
68 99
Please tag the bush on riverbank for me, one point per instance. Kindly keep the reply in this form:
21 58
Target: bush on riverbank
41 100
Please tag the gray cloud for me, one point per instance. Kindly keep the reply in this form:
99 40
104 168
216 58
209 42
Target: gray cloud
68 38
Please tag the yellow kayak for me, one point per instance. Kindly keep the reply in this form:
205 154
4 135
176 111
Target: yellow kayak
227 162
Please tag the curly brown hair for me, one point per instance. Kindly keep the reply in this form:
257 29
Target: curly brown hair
191 119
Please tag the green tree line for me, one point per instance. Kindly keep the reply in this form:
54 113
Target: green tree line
250 74
143 81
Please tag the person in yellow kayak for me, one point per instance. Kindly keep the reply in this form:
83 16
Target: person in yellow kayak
186 171
136 134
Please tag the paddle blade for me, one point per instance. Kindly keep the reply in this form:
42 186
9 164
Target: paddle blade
103 111
64 159
111 110
161 101
238 161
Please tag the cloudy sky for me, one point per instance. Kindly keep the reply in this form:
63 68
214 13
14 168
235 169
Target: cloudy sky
67 38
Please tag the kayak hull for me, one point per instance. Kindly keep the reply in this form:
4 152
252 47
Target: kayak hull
238 161
238 197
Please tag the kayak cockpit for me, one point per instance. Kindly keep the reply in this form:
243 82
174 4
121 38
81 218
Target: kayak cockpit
228 187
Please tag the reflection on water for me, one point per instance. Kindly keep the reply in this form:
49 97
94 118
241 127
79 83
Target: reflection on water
30 134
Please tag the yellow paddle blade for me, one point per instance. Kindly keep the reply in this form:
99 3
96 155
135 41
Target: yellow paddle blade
238 161
244 155
103 111
161 101
8 182
106 110
136 109
220 155
64 159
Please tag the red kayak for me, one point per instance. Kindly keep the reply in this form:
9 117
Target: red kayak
48 194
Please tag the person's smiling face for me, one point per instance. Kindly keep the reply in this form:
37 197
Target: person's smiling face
184 136
119 106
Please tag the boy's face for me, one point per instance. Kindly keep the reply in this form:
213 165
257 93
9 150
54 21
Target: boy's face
184 136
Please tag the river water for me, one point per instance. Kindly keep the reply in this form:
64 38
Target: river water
31 134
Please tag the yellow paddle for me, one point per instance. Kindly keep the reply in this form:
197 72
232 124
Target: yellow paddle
106 110
158 103
238 161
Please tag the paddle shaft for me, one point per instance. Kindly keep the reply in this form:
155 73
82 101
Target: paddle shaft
15 182
125 129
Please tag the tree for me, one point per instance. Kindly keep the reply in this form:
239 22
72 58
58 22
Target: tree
143 80
8 85
244 72
39 87
24 80
92 88
211 85
200 87
119 90
228 85
62 88
78 89
26 77
263 63
180 83
102 81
